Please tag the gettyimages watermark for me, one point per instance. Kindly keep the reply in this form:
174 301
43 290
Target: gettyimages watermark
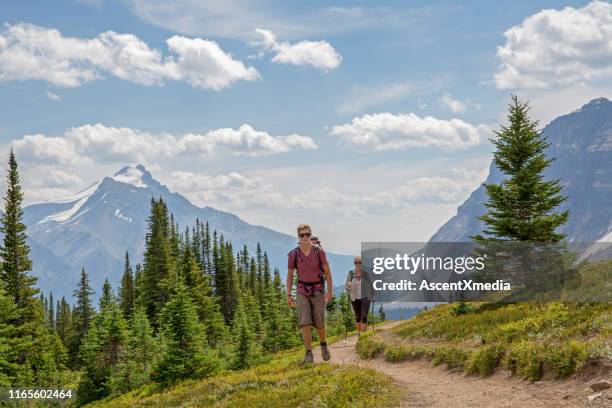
503 271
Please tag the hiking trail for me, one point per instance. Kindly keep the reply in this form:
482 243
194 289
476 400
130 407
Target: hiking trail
438 387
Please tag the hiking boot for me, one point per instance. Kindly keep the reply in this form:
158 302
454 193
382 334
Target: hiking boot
308 358
325 352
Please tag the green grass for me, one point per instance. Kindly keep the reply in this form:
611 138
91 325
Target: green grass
529 338
368 346
282 382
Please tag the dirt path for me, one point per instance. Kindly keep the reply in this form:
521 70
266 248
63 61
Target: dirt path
437 387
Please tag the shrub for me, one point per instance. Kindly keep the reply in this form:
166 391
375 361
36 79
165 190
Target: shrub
403 353
525 360
565 358
461 308
369 347
484 360
453 357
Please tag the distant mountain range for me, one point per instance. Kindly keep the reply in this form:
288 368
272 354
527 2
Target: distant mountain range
94 228
581 142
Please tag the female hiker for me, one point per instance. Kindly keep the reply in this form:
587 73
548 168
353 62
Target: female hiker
361 292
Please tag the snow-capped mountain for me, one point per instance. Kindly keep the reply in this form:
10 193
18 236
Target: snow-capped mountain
95 227
581 142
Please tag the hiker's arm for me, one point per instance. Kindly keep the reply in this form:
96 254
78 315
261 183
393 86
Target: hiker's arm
290 299
330 286
347 285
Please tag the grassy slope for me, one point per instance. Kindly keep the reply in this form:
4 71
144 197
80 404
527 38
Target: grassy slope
282 382
528 338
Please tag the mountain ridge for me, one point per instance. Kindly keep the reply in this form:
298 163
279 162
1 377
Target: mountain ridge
94 228
581 143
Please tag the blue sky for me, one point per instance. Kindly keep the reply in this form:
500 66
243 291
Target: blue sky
370 121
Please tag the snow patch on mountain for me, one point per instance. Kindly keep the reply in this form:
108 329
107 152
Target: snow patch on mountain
131 175
122 217
78 199
87 192
63 216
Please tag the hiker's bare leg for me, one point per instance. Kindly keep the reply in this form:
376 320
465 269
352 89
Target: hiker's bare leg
307 337
322 336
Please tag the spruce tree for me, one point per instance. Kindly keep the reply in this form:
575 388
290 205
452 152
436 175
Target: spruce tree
201 293
158 265
186 354
81 317
522 207
142 352
521 220
126 291
101 352
32 347
107 296
51 313
14 251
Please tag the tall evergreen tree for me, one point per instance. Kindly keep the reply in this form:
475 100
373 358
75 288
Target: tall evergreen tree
81 317
158 265
51 313
186 354
107 295
14 251
126 291
142 352
32 347
522 207
64 321
101 352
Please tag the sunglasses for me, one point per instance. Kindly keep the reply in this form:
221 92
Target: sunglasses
357 263
305 234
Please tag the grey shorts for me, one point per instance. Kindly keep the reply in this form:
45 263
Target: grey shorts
311 310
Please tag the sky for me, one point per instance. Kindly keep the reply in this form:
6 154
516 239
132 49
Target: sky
368 120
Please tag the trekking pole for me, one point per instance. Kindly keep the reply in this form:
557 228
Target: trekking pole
373 330
345 323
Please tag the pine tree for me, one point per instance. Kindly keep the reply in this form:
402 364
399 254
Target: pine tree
126 291
186 355
142 351
521 207
14 251
101 352
51 313
32 346
107 296
158 265
81 317
247 351
521 221
64 321
201 293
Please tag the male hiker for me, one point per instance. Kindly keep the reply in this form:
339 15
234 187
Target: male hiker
313 271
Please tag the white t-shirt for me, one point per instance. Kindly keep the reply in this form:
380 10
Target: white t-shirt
356 288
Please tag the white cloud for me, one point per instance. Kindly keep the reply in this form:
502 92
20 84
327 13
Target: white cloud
235 192
53 177
448 102
386 131
558 48
237 19
52 96
361 97
29 52
89 144
319 54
